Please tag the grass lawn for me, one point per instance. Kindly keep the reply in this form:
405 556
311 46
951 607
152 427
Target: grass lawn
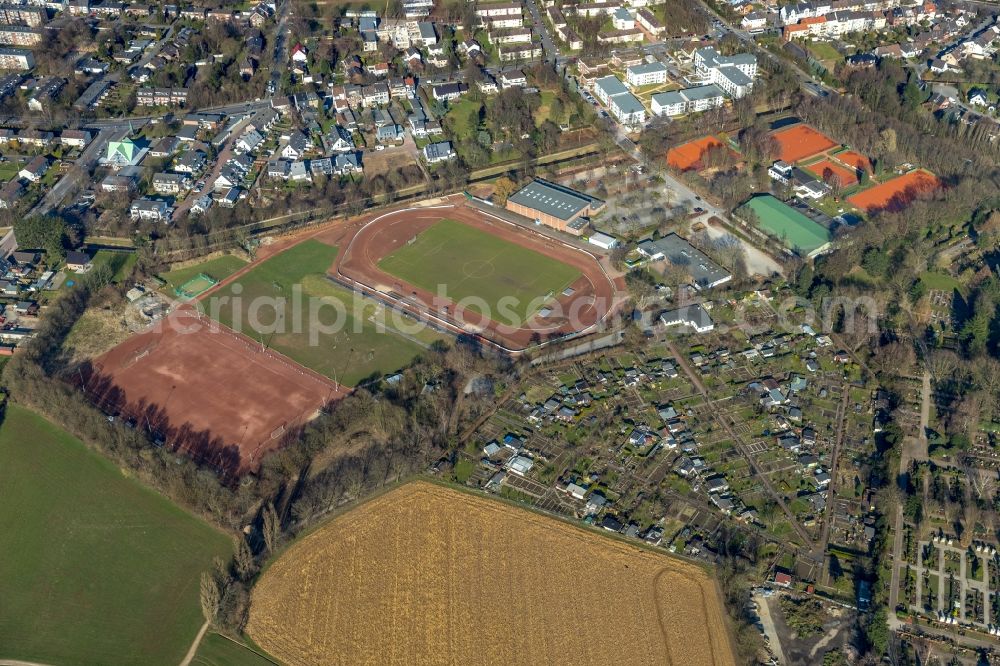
824 51
121 263
940 281
8 170
94 567
358 349
834 208
479 266
544 109
218 268
463 470
460 114
216 650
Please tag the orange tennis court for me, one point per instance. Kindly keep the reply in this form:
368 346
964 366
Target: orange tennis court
896 194
822 168
688 155
800 142
854 159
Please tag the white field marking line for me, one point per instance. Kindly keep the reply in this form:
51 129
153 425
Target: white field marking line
457 327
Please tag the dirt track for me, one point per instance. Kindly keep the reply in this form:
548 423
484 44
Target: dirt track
207 391
357 265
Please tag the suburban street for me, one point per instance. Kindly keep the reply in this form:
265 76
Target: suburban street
549 46
78 173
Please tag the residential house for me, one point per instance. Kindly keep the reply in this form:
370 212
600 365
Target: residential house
389 134
171 183
297 146
75 138
120 182
339 140
695 316
151 210
35 169
347 164
513 78
190 162
249 141
449 91
438 152
78 262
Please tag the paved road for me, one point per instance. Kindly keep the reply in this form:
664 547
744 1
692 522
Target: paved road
811 85
548 45
280 47
79 171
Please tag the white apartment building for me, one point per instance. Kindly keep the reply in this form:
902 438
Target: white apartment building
646 74
734 74
690 100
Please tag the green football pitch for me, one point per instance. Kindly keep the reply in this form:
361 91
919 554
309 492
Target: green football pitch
365 344
494 277
94 567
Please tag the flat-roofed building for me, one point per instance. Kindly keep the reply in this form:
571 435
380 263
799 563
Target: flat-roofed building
689 100
646 74
554 205
15 58
622 104
11 14
734 74
20 35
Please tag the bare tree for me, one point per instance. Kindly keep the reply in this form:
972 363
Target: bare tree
271 527
243 559
210 597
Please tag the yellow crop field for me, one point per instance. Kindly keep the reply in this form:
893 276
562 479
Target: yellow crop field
429 575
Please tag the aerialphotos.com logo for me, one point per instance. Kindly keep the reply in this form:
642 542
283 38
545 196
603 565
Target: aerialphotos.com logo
319 317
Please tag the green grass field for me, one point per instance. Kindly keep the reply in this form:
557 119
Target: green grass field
460 113
219 268
940 281
121 263
216 650
825 52
474 264
94 567
357 351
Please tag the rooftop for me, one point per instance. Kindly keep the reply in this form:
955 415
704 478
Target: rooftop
705 272
560 202
611 86
647 68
